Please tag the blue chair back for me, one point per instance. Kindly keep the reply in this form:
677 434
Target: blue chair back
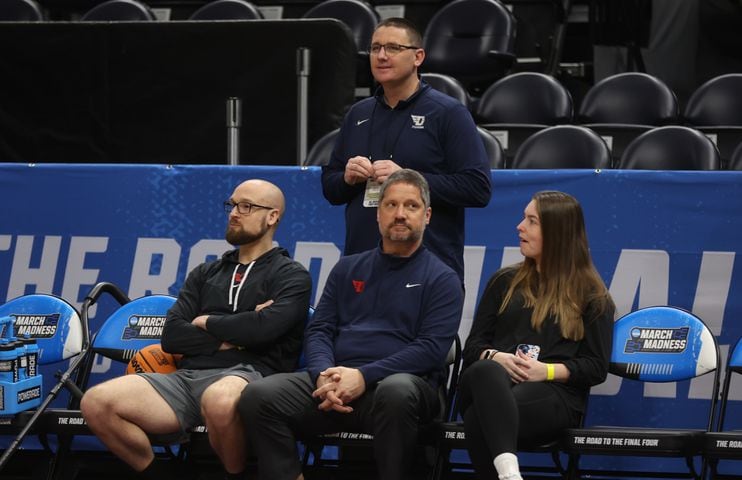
52 321
132 327
662 344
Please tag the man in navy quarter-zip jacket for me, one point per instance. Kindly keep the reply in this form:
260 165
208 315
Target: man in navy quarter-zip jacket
375 349
236 320
407 124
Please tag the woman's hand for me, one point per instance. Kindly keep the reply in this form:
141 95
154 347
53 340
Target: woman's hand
517 367
536 369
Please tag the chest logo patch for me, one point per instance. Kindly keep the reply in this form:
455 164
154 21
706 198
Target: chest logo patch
359 285
418 121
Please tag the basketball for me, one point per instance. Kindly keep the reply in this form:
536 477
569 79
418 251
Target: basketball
151 359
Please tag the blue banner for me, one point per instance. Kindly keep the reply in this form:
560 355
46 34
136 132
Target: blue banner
657 238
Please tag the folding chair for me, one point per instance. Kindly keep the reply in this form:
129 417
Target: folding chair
134 325
450 435
315 446
61 334
654 344
724 443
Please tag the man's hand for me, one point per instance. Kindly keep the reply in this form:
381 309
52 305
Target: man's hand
326 385
200 321
384 168
357 170
263 305
338 386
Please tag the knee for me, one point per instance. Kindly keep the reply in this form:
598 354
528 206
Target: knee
484 370
396 394
96 404
482 374
252 398
218 406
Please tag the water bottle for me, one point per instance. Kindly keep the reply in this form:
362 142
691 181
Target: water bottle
19 353
6 327
7 359
32 355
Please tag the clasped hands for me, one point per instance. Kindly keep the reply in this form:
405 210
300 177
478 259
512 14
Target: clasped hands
337 387
521 367
360 169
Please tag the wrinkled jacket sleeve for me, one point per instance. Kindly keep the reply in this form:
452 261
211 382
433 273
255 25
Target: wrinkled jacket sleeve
485 318
179 335
290 288
320 333
334 188
466 183
590 366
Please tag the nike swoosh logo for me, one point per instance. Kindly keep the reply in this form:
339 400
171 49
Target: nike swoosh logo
411 285
359 122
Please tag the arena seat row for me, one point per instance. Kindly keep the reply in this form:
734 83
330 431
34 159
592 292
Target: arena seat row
131 11
695 353
620 108
672 147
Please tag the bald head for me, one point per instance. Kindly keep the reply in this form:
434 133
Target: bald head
261 192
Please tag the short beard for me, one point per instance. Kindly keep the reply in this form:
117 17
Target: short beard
241 237
410 235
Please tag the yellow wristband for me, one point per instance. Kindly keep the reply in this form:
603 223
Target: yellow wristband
549 372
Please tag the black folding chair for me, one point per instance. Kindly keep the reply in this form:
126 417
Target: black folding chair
725 443
655 344
133 326
314 447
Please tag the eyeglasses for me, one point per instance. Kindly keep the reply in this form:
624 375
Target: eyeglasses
243 208
391 49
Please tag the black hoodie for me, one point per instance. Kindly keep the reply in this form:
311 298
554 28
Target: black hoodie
270 339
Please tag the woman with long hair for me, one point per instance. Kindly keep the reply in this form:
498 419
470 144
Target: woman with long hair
541 338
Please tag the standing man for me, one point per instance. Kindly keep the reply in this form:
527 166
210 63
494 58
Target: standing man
375 349
407 124
236 320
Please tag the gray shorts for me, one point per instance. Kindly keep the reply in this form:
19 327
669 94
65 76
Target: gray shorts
182 390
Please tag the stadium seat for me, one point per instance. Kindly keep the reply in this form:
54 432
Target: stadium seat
735 160
320 152
359 16
562 146
622 107
725 443
671 148
715 108
227 10
492 146
20 11
315 447
361 19
448 85
654 344
542 28
119 11
61 334
518 105
471 40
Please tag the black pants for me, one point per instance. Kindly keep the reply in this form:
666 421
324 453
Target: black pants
279 409
499 414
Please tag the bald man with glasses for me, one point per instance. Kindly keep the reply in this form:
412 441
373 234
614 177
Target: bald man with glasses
236 320
407 124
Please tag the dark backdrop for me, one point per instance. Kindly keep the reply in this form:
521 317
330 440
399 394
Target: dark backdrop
155 92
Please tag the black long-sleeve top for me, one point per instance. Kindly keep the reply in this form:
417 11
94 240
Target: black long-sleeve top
270 340
587 359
